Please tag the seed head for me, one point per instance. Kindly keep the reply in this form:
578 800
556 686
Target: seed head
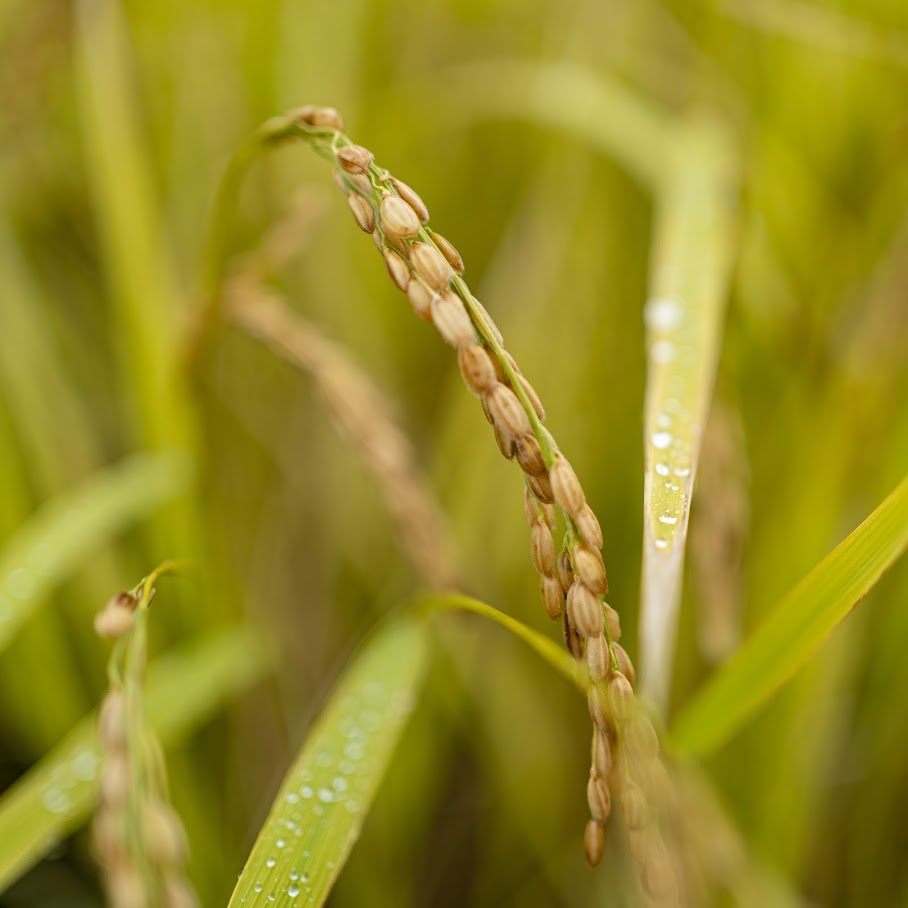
601 753
420 297
565 571
411 198
588 526
625 666
326 116
572 640
620 697
542 548
634 806
566 487
113 621
112 720
127 887
355 159
530 508
363 212
450 317
594 842
488 320
304 114
397 268
431 265
114 781
589 568
178 894
552 596
397 217
165 840
448 251
507 411
529 455
542 487
640 738
530 392
596 701
476 366
613 621
584 609
598 797
597 658
505 442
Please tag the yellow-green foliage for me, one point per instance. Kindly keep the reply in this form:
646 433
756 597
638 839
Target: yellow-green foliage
590 162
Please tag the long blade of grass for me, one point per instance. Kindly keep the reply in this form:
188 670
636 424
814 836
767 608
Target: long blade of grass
67 529
689 277
556 656
319 811
574 100
56 796
796 627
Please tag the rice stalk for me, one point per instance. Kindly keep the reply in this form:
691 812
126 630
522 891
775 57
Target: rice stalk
428 268
139 839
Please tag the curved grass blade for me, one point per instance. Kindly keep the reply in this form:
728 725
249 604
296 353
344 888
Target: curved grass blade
319 811
796 627
56 796
70 527
573 99
689 278
556 656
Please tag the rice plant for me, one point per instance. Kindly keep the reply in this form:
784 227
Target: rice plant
686 227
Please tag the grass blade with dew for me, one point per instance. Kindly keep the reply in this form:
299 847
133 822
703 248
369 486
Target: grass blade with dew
56 796
689 276
795 628
319 811
70 527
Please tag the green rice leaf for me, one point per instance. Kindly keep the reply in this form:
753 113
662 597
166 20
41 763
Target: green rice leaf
795 628
689 282
66 530
56 796
319 811
556 656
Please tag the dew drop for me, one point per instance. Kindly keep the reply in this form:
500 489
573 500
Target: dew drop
293 890
55 800
270 862
325 795
663 313
84 765
306 791
665 518
682 471
661 440
280 843
292 797
662 352
661 543
662 469
339 783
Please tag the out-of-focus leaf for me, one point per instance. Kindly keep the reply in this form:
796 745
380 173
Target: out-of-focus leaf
56 796
319 810
66 530
796 627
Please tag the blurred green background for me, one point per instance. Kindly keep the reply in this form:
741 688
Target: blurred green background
116 122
